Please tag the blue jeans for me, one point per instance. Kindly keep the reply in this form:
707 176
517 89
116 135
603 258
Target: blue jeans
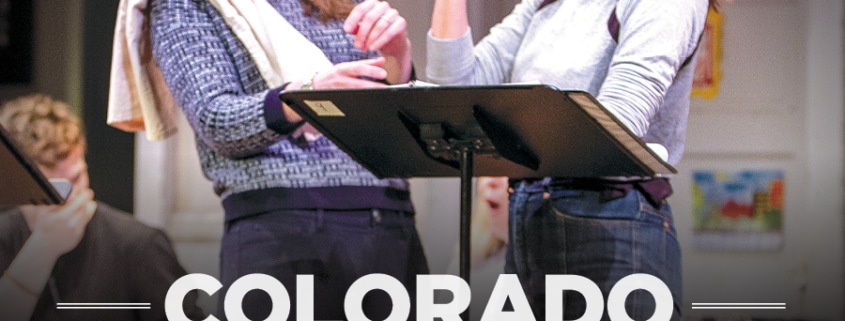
578 231
337 247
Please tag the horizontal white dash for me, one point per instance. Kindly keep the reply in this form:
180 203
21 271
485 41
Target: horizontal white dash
740 306
746 304
102 306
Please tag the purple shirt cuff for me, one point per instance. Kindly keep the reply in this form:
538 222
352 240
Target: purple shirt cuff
274 117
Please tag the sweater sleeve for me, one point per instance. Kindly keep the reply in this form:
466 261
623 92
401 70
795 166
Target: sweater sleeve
655 38
224 105
458 62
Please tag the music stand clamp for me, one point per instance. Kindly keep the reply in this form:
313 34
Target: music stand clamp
455 146
444 145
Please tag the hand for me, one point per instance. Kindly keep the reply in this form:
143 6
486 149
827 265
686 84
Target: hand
58 229
352 74
377 26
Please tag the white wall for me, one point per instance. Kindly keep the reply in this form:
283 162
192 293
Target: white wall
780 106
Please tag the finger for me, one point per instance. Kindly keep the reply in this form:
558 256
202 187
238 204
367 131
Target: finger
396 29
350 68
82 216
87 213
368 22
92 207
339 75
377 61
78 204
358 83
43 212
350 25
385 22
85 195
372 68
354 82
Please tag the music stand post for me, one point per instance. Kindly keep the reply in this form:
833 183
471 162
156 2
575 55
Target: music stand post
458 144
466 212
466 215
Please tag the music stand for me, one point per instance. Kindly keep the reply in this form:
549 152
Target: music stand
515 130
21 183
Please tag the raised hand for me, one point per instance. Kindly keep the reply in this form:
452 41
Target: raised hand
58 229
378 26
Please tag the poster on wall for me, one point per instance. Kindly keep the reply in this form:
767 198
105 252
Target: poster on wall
708 73
738 210
16 18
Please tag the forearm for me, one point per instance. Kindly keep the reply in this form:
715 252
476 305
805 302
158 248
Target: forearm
449 19
399 67
454 59
645 64
22 283
221 102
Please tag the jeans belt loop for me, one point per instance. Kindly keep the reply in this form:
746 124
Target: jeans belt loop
547 181
320 218
376 216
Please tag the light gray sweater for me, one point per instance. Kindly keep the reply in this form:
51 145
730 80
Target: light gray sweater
644 78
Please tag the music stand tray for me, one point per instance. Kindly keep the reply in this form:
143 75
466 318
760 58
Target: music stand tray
535 131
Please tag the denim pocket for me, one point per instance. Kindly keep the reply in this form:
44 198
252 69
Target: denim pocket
632 207
589 204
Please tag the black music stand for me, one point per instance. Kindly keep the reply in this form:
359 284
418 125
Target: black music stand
21 183
514 130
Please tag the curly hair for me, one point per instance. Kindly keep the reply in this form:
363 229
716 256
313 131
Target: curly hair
44 128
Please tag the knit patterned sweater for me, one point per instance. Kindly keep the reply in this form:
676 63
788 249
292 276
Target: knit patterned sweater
241 135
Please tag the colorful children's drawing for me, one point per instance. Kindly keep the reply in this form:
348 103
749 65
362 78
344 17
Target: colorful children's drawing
738 210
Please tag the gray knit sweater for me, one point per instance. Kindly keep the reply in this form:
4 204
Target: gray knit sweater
643 77
240 136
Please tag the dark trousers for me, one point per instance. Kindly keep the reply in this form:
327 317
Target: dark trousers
336 247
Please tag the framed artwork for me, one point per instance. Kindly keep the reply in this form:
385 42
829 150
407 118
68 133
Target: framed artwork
16 29
708 72
738 209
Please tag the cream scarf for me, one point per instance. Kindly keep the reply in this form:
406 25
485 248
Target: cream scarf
138 96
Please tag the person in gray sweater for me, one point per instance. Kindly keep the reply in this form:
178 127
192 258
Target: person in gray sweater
637 58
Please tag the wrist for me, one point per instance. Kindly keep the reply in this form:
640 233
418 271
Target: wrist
399 66
400 50
39 244
20 284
